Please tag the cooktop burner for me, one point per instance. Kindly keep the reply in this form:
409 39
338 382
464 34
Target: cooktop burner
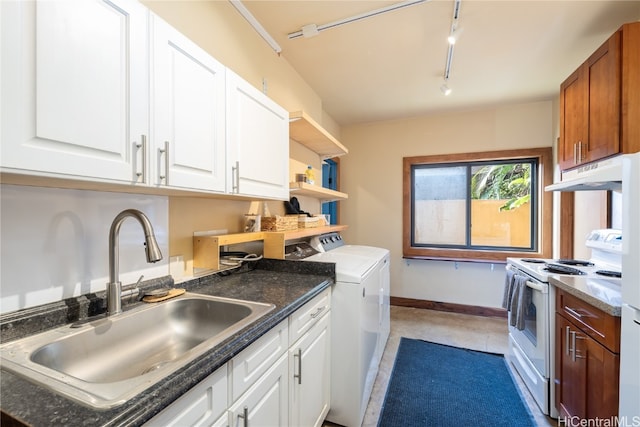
563 269
609 273
576 262
533 260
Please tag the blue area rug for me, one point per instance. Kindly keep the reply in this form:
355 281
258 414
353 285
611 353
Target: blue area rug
438 385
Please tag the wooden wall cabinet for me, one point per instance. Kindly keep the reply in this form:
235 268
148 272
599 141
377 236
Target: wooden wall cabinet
599 102
587 359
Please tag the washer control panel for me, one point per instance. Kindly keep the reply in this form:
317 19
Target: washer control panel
327 242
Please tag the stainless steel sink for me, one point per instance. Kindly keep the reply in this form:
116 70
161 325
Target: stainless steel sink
105 362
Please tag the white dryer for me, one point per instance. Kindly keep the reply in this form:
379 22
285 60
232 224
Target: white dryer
359 323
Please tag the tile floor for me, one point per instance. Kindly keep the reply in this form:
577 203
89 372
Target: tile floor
460 330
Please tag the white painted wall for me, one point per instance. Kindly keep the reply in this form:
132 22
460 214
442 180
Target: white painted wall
372 176
54 243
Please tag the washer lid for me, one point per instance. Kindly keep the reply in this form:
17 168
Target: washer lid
350 268
367 251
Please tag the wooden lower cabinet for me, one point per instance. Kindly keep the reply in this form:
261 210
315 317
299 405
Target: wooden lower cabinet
587 372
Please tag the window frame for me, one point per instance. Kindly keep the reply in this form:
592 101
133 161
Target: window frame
544 200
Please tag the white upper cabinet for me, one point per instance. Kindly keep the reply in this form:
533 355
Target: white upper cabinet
105 91
187 147
258 141
74 87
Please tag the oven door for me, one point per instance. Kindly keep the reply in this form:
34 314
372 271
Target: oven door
534 338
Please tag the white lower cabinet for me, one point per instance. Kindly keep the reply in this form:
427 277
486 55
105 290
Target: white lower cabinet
204 405
252 362
269 383
309 368
266 401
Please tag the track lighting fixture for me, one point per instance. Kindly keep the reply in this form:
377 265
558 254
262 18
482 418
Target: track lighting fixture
453 36
256 25
313 29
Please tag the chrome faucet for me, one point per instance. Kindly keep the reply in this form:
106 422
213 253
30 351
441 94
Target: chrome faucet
114 287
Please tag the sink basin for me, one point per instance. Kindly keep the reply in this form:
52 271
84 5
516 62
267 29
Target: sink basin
105 362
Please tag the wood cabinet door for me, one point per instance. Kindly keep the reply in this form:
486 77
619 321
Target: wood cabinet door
571 378
603 370
188 147
573 118
603 72
74 87
587 374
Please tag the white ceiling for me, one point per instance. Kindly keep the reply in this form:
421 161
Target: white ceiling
391 65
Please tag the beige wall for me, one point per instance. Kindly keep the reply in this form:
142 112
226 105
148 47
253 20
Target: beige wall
371 173
220 30
372 176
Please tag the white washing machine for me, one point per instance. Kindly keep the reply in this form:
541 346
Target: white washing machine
359 321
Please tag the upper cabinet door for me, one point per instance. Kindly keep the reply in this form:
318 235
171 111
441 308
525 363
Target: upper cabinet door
74 87
604 77
258 140
574 110
188 105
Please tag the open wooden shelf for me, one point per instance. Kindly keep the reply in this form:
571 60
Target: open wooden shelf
309 133
206 249
321 193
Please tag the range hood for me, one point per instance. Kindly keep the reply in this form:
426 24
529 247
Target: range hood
601 175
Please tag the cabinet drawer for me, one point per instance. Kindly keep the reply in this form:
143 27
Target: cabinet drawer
307 315
255 360
594 322
199 406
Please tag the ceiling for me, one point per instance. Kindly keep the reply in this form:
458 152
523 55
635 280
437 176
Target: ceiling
391 65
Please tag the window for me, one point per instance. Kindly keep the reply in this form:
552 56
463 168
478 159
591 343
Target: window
479 206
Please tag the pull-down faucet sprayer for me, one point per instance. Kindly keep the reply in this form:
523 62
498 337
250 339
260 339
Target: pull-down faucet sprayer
114 287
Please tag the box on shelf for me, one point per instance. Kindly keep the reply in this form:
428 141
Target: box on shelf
311 222
279 223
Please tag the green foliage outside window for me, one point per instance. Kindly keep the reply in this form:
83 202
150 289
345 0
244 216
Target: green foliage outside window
511 182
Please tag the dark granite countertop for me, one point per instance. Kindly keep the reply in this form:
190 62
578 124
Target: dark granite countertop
287 284
604 294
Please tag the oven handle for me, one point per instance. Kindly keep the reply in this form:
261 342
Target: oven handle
542 288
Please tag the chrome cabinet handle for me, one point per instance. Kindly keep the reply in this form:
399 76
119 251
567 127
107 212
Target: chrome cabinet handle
245 416
575 355
566 340
317 312
164 151
235 178
142 146
299 374
575 153
579 152
573 312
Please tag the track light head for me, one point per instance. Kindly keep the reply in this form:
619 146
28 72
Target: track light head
446 90
454 35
